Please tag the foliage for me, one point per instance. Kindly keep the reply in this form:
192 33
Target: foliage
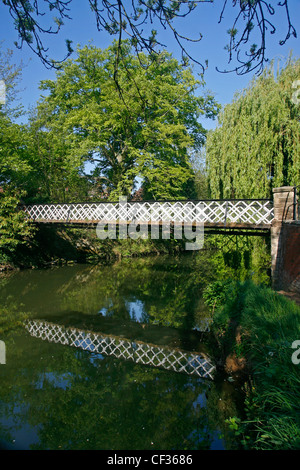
240 257
216 293
14 228
256 145
10 74
54 177
269 324
14 166
145 131
13 157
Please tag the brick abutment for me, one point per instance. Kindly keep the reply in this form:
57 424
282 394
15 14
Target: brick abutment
285 242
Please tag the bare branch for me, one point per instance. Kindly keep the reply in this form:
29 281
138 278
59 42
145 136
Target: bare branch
252 16
130 18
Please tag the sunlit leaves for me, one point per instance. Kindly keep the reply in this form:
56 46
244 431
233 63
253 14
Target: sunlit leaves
14 228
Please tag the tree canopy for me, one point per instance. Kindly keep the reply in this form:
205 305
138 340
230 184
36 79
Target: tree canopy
146 131
256 145
14 165
139 20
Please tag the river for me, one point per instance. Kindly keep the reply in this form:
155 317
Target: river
57 394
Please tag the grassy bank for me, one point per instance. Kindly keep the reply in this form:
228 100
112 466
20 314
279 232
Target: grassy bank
257 327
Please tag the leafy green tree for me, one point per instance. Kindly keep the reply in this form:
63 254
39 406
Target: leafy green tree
146 130
10 76
12 160
14 166
15 230
55 177
256 145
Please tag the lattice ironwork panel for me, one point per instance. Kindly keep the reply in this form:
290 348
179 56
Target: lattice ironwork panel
238 211
137 351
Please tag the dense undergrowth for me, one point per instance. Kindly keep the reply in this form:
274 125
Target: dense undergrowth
268 326
59 245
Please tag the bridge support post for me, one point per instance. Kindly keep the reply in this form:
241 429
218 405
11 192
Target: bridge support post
285 242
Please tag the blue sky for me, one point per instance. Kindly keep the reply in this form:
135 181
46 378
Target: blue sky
82 29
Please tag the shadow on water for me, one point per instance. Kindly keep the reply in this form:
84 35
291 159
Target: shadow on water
115 386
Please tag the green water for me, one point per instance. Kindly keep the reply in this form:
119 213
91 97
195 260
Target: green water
56 396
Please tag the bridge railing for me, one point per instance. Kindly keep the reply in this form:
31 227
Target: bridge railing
245 211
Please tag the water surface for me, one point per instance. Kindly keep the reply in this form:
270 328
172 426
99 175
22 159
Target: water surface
61 396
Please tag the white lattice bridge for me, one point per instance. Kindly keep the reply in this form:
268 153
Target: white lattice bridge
140 352
241 212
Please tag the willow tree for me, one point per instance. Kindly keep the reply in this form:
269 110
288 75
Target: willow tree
256 145
147 130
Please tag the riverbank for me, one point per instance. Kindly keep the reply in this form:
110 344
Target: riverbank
260 329
55 245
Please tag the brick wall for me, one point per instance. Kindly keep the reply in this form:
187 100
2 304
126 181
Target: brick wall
286 272
285 242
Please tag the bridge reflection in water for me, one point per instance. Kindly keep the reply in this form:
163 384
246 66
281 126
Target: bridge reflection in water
177 360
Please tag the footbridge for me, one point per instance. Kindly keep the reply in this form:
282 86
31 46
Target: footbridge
278 217
235 214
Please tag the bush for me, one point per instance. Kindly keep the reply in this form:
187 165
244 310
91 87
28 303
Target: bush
15 230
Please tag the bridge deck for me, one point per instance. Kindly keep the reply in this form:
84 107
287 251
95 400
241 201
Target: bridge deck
208 225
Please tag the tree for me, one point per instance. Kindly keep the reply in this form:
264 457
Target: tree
10 75
256 145
55 177
15 229
14 169
253 18
14 166
146 130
